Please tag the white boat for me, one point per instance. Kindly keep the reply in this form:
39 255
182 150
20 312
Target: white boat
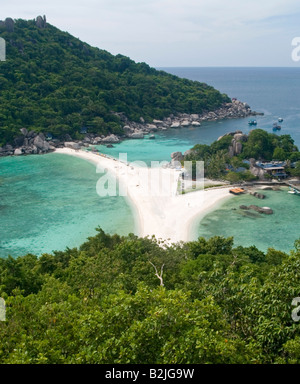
294 191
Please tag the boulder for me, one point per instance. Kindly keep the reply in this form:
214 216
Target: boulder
18 152
18 141
41 144
177 156
258 172
137 135
42 136
111 139
72 145
240 137
31 134
176 124
151 126
41 22
9 24
185 123
24 131
238 147
196 124
258 195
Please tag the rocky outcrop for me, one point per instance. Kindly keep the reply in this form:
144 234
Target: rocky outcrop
235 109
29 143
41 22
256 171
72 145
8 24
264 210
258 195
41 144
110 139
177 158
137 135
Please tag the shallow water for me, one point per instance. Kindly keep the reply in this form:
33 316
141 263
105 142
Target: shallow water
278 231
50 202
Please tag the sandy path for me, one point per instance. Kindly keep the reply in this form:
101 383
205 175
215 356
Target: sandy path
153 192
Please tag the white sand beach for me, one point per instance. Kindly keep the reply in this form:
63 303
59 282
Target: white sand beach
161 212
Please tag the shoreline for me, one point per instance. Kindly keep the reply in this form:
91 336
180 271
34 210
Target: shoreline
159 211
34 143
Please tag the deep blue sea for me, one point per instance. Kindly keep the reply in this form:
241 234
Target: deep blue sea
49 202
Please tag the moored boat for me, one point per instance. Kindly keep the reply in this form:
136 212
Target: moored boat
252 122
276 127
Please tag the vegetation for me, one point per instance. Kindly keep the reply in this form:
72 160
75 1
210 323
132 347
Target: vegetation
53 82
260 145
103 303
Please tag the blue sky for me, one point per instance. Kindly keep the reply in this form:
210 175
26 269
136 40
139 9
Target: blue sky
177 32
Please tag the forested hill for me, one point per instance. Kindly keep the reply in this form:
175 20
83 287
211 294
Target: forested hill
53 82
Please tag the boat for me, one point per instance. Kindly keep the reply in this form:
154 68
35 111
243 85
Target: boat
151 137
252 122
280 119
276 127
294 191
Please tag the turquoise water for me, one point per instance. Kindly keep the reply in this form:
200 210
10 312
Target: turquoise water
50 202
278 231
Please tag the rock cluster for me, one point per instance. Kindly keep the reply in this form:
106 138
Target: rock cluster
264 210
256 171
8 24
41 22
28 143
235 109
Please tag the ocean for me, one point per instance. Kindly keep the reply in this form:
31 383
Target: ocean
50 202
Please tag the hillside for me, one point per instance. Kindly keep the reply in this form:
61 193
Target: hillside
54 83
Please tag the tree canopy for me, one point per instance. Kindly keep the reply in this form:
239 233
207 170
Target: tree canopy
103 303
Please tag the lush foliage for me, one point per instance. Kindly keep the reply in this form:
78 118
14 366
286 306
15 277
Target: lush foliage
260 145
55 83
103 303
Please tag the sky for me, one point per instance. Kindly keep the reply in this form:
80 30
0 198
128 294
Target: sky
177 33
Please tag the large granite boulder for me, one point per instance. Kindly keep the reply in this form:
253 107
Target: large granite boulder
41 22
240 137
177 156
72 145
111 139
137 135
41 144
18 152
9 24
